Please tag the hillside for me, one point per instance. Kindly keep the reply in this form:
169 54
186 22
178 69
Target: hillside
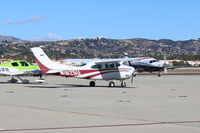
10 39
106 48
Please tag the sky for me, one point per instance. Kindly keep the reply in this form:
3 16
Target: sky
115 19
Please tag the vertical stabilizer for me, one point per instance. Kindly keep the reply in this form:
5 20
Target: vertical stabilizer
44 62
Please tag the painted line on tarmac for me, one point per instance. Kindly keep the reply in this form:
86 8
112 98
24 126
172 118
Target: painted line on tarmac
99 126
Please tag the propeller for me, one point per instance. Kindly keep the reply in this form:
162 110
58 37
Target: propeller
132 78
129 63
165 70
133 75
125 54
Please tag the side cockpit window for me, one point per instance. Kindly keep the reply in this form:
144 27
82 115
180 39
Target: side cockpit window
14 64
24 63
110 65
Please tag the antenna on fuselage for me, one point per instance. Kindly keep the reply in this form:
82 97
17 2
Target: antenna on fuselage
125 55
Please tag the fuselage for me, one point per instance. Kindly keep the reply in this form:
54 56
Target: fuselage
147 64
102 71
99 72
17 67
6 70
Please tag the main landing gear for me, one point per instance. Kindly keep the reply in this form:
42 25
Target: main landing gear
92 83
13 80
111 84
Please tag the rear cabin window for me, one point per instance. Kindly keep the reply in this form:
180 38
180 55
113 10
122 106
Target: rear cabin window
24 63
97 66
14 64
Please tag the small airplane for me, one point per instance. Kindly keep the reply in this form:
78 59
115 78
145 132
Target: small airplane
17 68
98 70
147 64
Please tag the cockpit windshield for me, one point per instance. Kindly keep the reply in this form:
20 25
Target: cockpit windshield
14 64
83 64
152 61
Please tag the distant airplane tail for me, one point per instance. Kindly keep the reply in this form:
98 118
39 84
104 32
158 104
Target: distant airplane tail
46 65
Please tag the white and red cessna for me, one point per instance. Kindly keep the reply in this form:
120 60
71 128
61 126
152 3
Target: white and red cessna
97 70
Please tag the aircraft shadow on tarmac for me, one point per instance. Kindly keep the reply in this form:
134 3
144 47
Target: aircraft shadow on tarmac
22 83
73 86
45 85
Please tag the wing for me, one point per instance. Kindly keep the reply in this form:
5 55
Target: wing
79 60
116 60
104 60
11 73
21 73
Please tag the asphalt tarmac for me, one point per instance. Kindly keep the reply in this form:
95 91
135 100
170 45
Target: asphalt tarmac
151 104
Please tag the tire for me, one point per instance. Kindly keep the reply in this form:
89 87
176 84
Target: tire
123 84
111 84
92 83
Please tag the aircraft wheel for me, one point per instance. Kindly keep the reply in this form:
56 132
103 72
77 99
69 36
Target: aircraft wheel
134 74
159 75
123 84
111 84
92 83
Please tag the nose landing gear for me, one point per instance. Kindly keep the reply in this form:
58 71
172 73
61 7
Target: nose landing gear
159 74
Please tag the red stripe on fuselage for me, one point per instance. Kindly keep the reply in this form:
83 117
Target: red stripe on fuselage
101 72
